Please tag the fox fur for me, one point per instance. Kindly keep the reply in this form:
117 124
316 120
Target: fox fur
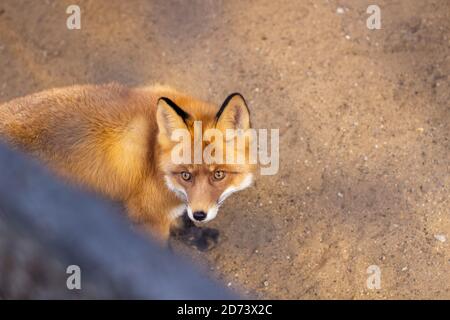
114 140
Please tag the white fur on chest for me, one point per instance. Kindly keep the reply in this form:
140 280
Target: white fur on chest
177 211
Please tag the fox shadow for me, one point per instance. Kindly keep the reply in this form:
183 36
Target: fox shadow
201 238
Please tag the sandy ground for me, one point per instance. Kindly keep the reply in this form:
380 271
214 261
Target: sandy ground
363 117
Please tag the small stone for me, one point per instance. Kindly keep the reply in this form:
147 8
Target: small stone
340 195
266 283
229 284
347 37
440 237
340 10
404 268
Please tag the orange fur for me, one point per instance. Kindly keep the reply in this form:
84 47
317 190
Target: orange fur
105 138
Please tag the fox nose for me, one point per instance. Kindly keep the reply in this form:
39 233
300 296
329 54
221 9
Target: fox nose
199 215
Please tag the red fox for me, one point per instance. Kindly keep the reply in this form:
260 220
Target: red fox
116 141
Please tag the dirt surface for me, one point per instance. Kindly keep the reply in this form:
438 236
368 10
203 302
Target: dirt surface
363 117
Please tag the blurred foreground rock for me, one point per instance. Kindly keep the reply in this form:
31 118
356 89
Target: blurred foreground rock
45 226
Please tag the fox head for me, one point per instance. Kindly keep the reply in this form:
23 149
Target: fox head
203 185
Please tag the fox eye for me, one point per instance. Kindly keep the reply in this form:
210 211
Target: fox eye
219 175
186 176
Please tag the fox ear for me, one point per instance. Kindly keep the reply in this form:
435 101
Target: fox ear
170 116
233 114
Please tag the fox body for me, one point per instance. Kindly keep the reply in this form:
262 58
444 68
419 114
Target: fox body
117 141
